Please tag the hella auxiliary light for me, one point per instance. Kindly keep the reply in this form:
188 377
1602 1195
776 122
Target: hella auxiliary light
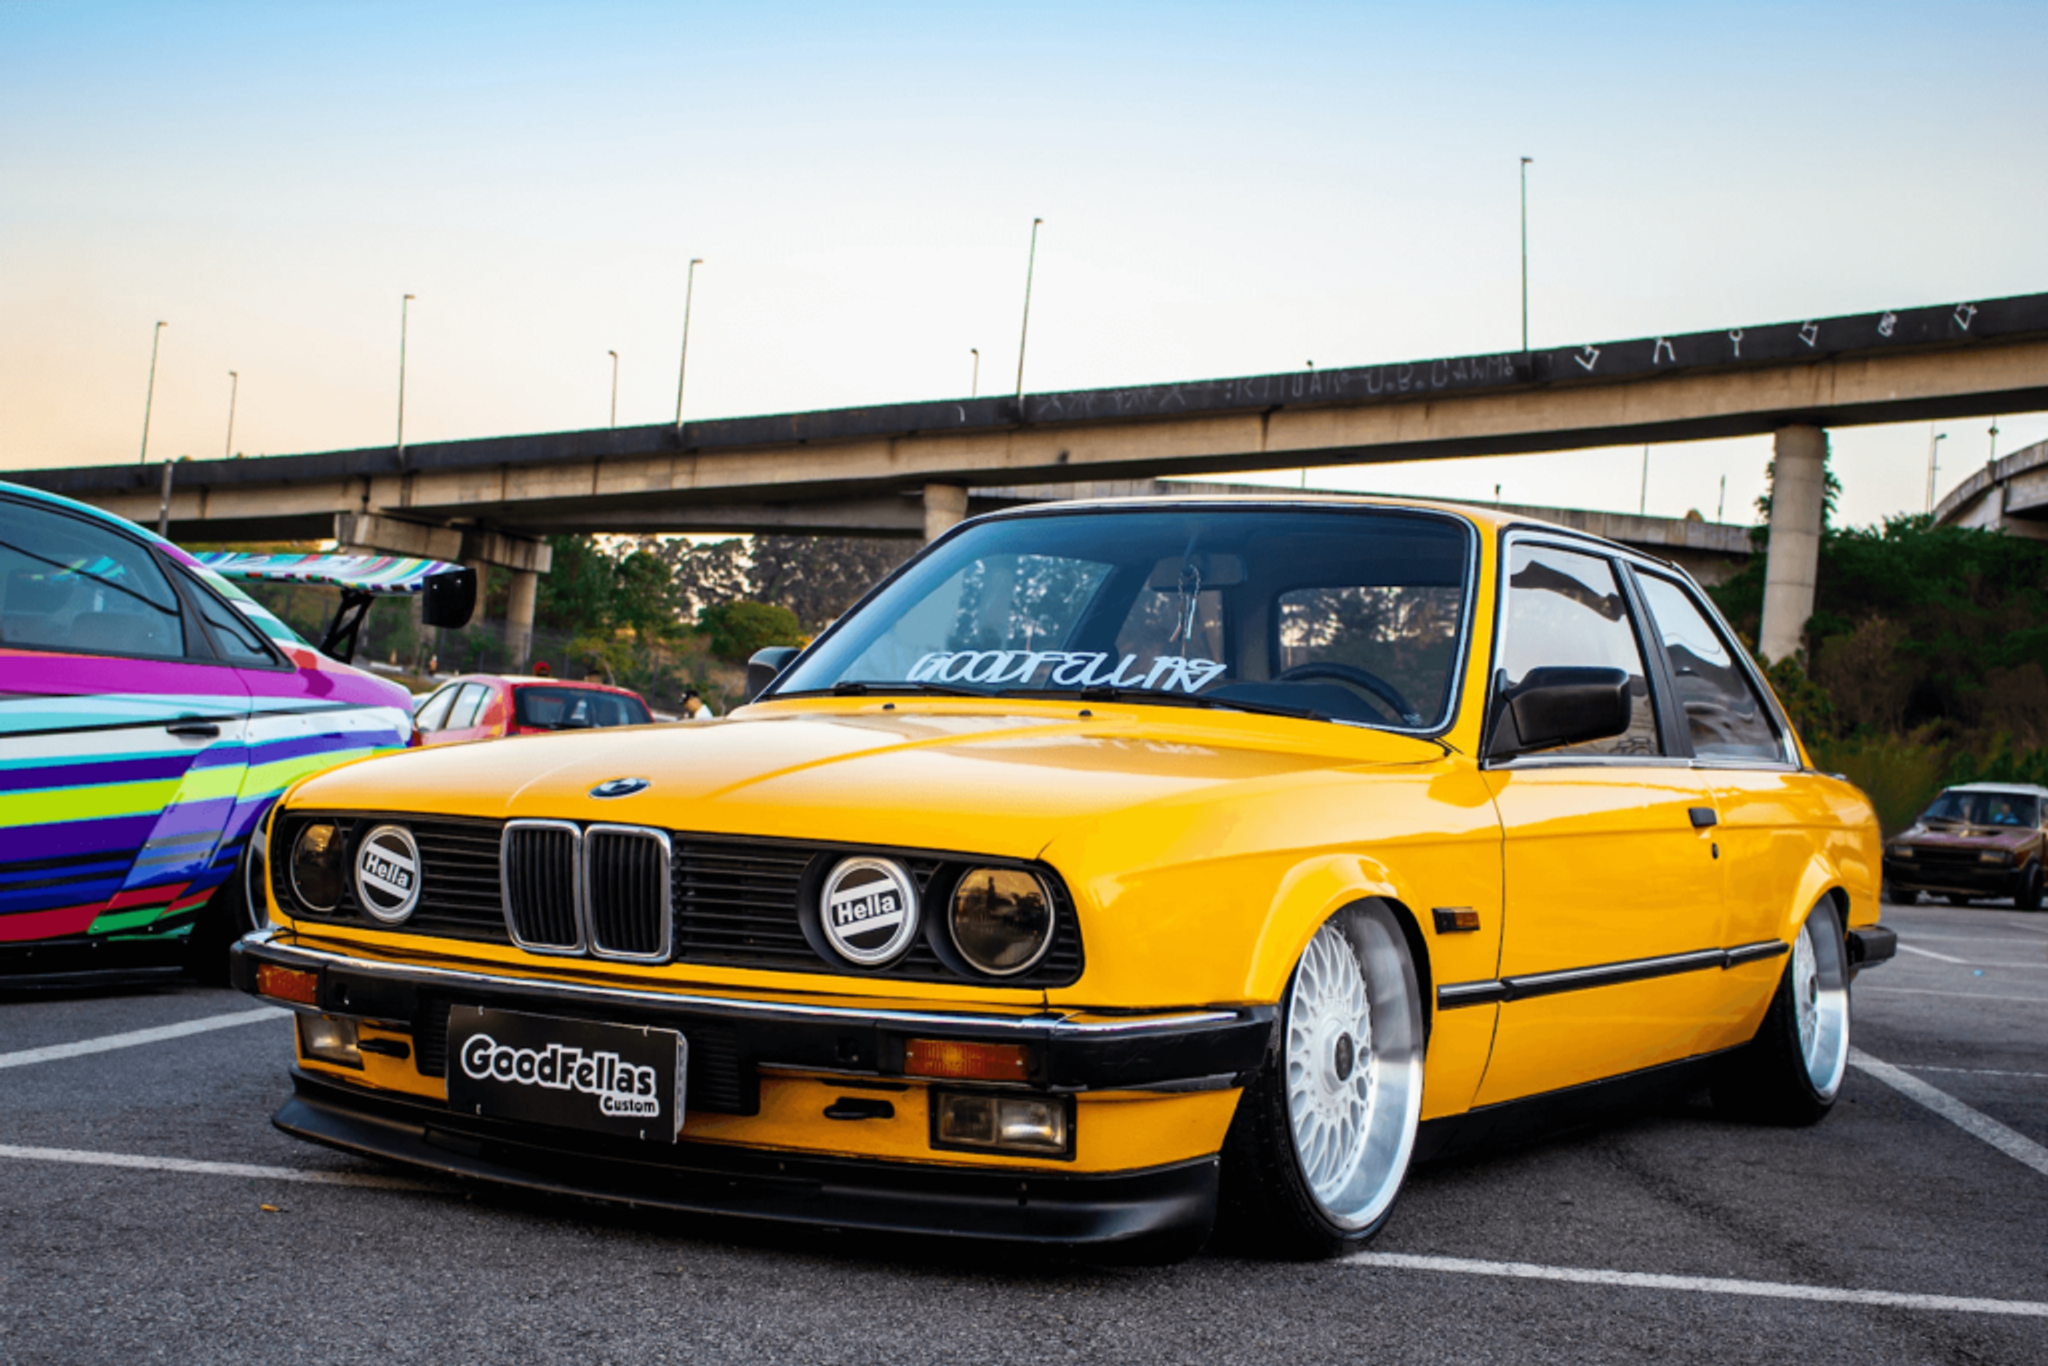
329 1040
1041 1125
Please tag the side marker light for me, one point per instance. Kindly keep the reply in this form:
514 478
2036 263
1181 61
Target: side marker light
288 984
1455 919
970 1061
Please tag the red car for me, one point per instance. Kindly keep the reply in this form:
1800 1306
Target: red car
487 706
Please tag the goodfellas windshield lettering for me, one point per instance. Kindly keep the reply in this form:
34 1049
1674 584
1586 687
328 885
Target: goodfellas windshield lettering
622 1088
1065 669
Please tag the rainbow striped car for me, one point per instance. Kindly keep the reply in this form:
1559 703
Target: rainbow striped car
150 714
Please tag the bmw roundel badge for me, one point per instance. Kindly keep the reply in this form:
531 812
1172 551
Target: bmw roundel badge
620 787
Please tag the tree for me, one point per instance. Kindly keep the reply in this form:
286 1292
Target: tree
737 629
819 577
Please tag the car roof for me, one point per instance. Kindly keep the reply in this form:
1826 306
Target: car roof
1486 519
2010 789
541 680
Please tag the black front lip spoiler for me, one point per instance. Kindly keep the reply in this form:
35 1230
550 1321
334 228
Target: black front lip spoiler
1198 1049
1027 1206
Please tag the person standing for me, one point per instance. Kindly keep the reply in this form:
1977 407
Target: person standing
695 708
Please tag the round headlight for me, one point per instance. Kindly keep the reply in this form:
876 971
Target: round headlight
316 866
1001 920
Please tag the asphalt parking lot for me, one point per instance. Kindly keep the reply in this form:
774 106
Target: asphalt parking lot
149 1212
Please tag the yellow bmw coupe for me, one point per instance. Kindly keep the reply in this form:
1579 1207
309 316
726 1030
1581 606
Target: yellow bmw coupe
1109 868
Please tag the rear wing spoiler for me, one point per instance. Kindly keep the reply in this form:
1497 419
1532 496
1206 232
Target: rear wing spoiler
447 592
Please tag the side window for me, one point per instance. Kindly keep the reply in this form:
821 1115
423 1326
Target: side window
433 713
463 714
66 584
1727 718
237 640
1567 610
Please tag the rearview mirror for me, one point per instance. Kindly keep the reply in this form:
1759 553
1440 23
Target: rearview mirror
766 666
1561 706
449 598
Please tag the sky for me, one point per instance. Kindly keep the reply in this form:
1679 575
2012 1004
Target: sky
1227 189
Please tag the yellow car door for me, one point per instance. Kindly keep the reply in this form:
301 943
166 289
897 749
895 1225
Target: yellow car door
1772 813
1610 953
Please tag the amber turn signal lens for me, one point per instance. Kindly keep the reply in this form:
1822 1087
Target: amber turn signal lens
287 984
974 1061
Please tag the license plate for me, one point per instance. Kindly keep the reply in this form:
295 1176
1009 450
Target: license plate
612 1079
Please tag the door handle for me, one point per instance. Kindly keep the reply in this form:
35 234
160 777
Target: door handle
194 730
1702 817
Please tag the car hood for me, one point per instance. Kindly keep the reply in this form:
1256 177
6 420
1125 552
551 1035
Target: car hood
982 779
1975 837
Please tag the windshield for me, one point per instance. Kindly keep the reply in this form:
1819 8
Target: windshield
1985 808
575 708
1340 614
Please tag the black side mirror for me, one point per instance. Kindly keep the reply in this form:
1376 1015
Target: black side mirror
449 599
766 666
1561 706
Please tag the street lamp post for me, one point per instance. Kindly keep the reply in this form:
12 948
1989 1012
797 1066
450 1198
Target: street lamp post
1934 440
974 385
403 317
1643 503
1030 265
683 368
1993 460
149 400
1525 253
234 388
615 386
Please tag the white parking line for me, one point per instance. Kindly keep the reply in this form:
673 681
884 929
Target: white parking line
81 1157
139 1036
2015 1145
1978 1071
1707 1285
1952 995
1904 947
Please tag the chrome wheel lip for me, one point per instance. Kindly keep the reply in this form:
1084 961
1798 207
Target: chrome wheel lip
1352 1135
1820 1000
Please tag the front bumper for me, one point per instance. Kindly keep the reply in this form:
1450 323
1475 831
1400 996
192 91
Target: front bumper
1954 879
1153 1191
1172 1202
1176 1051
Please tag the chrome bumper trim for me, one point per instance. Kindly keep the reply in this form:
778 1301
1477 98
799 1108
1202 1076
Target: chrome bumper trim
1042 1024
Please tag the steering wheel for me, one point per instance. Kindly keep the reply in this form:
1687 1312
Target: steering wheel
1357 678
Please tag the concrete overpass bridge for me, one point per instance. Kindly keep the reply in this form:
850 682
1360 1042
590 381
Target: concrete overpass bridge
2008 495
857 470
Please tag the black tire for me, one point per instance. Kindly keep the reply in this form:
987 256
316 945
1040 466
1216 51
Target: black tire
222 920
1269 1202
1778 1077
2028 898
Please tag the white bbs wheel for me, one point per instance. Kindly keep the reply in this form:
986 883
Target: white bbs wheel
1820 996
1324 1136
1791 1071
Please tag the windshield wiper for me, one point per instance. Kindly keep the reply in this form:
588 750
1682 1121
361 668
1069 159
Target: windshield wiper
849 688
1183 699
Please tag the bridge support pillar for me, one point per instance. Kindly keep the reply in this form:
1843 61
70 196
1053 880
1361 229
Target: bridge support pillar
1798 489
519 615
945 506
